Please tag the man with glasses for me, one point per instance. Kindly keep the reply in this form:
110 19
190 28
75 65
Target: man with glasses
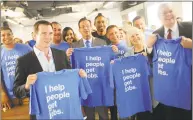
171 29
88 40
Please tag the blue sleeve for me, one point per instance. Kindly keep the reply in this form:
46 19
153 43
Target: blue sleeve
84 88
111 80
33 108
188 56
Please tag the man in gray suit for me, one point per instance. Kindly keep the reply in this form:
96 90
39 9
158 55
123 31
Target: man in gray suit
88 40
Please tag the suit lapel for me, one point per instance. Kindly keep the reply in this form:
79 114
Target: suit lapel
55 56
35 62
81 43
93 41
162 31
181 29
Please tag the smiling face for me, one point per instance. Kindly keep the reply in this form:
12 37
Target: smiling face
140 24
113 35
100 24
57 32
85 29
44 36
167 15
7 37
69 36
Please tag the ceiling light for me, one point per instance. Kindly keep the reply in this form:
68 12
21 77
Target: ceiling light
53 8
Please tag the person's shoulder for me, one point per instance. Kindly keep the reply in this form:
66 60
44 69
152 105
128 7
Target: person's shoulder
26 56
100 41
157 31
77 43
22 46
57 50
185 24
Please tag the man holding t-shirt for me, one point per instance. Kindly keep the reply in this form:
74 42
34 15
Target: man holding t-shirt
171 29
10 51
42 58
89 41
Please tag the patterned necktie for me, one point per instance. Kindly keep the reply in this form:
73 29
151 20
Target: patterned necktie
169 34
87 43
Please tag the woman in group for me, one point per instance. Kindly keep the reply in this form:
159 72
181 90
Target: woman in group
69 36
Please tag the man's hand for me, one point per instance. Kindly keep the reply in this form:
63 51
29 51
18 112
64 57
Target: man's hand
186 42
151 40
69 52
115 48
31 79
5 103
144 53
82 73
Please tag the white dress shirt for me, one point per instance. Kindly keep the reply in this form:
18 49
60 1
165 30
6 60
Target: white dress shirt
174 32
46 65
84 40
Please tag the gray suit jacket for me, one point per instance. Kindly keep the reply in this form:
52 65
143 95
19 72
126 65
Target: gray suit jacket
95 42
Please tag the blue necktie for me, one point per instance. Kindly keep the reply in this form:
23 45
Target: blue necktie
87 43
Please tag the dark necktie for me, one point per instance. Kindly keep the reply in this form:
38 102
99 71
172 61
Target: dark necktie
169 34
87 44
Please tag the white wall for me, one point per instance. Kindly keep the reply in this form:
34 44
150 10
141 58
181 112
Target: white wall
69 20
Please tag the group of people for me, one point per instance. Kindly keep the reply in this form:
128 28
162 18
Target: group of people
51 49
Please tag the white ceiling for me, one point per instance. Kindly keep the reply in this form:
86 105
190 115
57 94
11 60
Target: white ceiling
79 10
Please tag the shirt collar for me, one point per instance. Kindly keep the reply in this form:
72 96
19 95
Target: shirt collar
84 40
174 28
38 52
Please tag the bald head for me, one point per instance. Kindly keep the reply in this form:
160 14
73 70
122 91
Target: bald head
166 15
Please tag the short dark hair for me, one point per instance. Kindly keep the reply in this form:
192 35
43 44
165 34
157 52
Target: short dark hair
122 30
64 32
6 28
83 19
41 22
99 15
137 18
110 27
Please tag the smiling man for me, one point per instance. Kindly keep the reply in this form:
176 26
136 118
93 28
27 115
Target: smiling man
171 29
42 58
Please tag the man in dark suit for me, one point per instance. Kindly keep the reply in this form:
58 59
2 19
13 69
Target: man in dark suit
42 58
171 29
88 40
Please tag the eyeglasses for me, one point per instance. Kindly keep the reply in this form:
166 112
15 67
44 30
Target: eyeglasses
165 13
84 27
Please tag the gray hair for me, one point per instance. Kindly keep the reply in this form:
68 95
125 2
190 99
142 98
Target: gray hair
162 6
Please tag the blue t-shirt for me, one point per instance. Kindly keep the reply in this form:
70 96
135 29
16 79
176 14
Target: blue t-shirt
8 64
172 73
62 46
130 78
31 43
96 62
57 95
124 49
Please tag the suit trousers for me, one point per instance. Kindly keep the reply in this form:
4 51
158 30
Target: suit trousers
101 110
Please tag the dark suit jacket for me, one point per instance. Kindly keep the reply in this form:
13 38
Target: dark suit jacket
185 29
95 42
29 64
